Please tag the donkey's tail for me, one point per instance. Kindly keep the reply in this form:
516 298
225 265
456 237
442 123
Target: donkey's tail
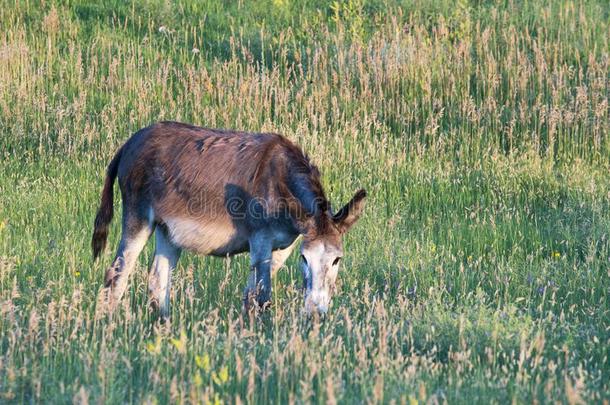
104 213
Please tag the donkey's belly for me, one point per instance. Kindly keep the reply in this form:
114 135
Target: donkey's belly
206 237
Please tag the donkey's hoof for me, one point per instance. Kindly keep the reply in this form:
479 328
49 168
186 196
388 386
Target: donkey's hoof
156 308
264 305
253 304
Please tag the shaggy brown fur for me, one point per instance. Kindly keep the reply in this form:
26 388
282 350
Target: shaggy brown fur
215 192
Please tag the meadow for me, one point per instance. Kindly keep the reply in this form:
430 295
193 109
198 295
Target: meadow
479 273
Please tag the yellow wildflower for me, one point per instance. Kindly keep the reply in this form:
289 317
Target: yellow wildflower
154 348
222 376
198 381
180 344
203 362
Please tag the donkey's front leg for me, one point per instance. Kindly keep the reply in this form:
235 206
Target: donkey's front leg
259 281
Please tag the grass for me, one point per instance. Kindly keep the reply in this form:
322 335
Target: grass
480 271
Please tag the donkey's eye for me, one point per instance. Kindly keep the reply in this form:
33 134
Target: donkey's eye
337 260
304 259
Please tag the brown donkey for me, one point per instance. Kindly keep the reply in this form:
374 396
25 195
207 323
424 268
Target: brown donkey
219 193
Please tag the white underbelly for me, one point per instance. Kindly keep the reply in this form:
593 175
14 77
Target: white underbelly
204 237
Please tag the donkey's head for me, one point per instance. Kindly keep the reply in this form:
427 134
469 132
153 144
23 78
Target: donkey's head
322 250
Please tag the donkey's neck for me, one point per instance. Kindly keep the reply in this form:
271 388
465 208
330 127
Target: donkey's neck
306 189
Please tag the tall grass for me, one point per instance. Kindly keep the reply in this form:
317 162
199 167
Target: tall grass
480 271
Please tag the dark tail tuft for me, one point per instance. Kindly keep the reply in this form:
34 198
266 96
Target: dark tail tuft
104 213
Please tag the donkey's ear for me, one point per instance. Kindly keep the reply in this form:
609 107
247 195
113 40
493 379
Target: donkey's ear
349 214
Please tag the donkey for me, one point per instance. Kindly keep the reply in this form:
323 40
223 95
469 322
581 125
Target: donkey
219 192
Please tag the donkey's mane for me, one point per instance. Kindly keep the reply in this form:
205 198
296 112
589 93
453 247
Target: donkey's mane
303 179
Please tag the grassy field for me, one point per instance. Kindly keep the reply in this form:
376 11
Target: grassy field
480 272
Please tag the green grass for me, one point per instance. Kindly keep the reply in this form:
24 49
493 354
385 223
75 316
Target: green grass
480 271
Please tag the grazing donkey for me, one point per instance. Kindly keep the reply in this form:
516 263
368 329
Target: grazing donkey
219 193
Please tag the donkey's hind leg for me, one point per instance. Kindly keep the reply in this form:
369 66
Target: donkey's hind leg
136 231
159 276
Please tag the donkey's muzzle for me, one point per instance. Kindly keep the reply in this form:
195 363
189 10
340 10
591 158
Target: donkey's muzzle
317 302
